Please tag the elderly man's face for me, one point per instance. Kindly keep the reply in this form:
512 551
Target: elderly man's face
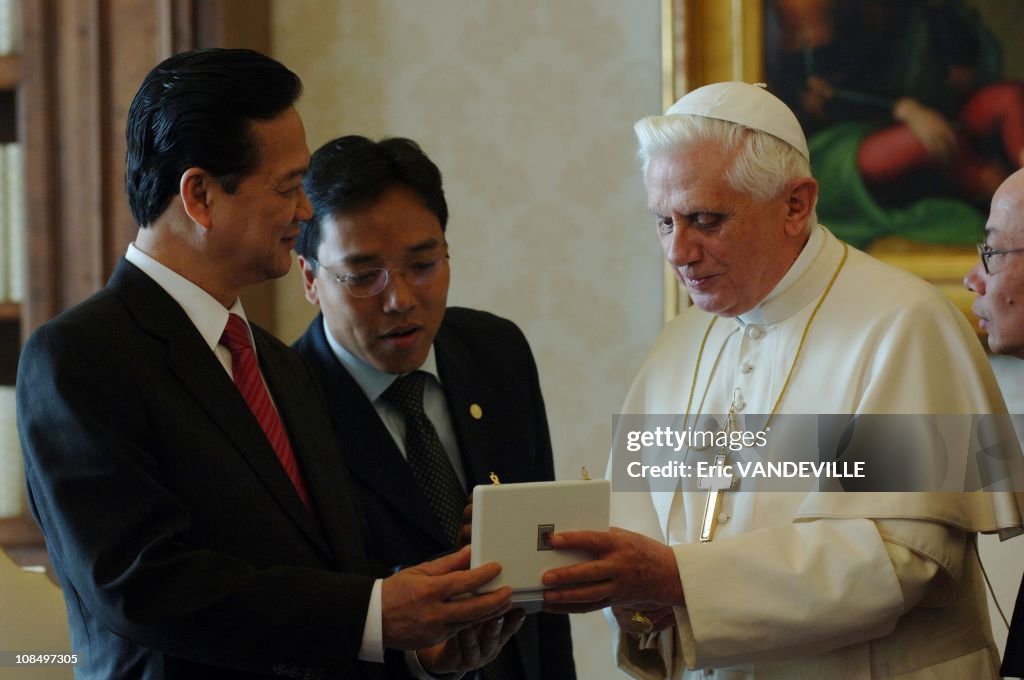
728 249
253 230
1000 301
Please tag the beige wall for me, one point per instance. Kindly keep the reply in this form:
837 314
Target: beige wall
527 107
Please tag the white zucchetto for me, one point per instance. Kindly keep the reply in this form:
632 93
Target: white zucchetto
744 104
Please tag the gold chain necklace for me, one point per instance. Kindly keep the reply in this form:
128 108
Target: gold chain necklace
792 368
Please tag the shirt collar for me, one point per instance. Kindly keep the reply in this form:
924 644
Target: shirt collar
208 315
371 381
777 305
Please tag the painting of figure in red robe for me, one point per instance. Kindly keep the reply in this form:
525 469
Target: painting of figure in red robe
913 109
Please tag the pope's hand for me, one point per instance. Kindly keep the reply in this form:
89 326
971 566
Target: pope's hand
423 605
629 568
472 647
660 618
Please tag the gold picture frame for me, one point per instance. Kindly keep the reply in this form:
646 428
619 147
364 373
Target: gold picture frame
737 53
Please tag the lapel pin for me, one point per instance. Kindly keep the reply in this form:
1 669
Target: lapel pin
476 411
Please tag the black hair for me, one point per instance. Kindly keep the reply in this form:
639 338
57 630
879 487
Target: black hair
353 172
195 110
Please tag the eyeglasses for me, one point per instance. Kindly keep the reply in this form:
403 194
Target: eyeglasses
369 282
985 252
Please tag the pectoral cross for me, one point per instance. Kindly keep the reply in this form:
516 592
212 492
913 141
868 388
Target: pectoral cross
716 483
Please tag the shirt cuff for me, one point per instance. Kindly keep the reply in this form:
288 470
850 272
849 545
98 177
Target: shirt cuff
372 648
412 664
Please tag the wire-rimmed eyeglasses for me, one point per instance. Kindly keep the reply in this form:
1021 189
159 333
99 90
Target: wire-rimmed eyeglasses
421 271
985 252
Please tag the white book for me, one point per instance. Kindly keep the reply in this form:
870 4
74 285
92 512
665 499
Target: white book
513 523
14 209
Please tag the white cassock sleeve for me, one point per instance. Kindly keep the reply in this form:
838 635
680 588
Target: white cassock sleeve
813 587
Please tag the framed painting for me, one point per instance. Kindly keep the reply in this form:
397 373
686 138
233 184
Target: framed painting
914 110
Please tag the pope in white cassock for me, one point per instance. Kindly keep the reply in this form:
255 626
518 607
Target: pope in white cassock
787 320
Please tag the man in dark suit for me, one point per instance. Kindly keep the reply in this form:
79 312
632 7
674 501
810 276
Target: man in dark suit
998 281
375 259
194 506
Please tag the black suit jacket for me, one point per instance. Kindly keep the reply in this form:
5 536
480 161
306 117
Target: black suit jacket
1013 657
181 545
483 360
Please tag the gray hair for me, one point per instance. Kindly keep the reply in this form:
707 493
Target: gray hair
761 169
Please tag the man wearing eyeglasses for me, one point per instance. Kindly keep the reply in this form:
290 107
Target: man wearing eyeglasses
427 400
998 281
998 278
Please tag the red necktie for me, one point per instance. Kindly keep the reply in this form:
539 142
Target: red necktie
249 382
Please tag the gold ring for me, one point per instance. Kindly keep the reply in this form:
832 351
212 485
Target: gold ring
644 621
